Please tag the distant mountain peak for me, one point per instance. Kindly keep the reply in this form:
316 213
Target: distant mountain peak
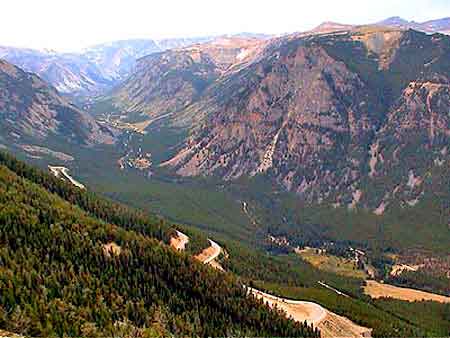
430 26
395 19
331 26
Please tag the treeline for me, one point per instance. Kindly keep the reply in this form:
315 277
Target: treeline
422 281
57 277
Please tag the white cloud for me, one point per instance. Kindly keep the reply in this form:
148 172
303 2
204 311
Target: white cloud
64 24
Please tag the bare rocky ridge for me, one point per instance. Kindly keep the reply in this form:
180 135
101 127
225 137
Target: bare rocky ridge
29 106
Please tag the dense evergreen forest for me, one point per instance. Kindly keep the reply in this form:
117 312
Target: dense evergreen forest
59 280
58 276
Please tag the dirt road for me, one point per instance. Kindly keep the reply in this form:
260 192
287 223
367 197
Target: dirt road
210 254
63 172
332 289
329 323
298 310
179 242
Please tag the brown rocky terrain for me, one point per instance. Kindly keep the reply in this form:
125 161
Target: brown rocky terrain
294 112
324 114
317 112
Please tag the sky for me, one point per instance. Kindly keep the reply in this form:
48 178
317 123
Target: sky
65 25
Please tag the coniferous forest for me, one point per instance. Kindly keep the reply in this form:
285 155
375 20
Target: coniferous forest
59 275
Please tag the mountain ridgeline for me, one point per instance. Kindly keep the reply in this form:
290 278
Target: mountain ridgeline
32 108
90 71
430 26
95 69
99 68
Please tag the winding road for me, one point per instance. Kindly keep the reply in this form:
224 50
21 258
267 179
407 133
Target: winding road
63 172
298 310
179 242
329 323
213 252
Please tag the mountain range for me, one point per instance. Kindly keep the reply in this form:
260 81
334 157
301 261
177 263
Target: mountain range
319 161
430 26
95 69
101 67
322 114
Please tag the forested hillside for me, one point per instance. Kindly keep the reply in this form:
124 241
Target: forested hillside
60 229
65 272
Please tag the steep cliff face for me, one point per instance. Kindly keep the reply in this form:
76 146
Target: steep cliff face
316 113
29 106
414 142
292 110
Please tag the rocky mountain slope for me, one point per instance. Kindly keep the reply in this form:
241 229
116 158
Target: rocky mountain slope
166 82
30 107
316 112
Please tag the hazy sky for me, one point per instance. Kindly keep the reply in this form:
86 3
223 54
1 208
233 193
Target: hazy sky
71 25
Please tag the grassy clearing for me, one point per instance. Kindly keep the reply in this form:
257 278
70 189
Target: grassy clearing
338 265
